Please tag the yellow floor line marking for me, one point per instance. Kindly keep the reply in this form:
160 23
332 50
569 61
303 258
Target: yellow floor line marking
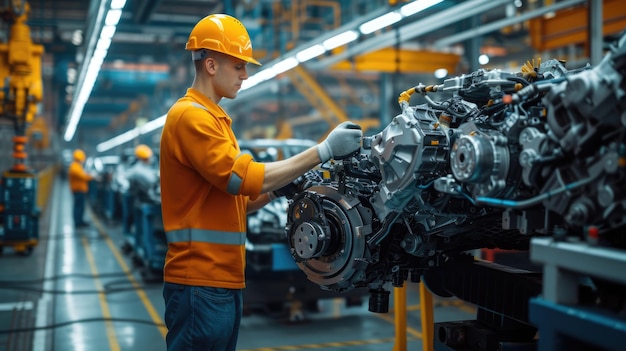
110 330
327 345
390 318
138 289
154 315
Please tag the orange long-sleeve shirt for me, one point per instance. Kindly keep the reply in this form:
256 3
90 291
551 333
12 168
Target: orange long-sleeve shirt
78 178
205 185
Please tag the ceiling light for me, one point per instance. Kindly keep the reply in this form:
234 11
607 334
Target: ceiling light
483 59
91 66
417 6
285 65
118 140
113 17
309 53
132 134
258 78
380 22
77 37
340 39
107 32
441 73
118 4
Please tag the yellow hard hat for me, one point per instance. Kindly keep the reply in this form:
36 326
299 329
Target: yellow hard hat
79 155
143 152
222 33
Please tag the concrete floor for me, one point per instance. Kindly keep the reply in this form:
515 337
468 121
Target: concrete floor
78 291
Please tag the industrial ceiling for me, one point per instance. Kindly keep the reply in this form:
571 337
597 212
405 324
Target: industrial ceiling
146 67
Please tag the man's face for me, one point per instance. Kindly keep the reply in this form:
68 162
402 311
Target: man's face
231 72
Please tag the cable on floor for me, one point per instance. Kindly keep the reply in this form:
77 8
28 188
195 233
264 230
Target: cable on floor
86 320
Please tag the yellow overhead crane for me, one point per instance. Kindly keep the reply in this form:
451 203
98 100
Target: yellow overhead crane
20 77
20 92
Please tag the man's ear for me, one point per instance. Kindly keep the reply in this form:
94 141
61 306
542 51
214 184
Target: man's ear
210 64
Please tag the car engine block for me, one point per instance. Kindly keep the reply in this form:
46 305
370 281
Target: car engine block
502 158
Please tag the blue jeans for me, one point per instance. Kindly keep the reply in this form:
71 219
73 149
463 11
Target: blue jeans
127 202
79 208
201 318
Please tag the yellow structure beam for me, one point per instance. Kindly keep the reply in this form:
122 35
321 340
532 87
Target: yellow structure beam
428 319
392 60
570 26
399 306
316 95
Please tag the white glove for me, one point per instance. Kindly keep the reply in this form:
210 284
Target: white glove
342 141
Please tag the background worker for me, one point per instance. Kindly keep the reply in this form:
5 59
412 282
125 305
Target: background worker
138 183
79 185
208 186
142 178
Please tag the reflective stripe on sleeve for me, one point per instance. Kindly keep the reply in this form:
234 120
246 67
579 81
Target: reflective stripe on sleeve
206 236
234 184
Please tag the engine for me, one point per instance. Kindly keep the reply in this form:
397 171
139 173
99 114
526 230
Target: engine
498 159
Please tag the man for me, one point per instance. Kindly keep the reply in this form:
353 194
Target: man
208 186
138 184
79 185
141 179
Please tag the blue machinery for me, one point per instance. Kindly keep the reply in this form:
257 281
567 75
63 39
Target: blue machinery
566 323
150 245
144 237
19 214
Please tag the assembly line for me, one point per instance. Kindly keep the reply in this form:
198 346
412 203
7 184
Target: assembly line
436 175
87 280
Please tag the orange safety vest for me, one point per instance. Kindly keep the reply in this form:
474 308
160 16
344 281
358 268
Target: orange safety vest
78 178
205 185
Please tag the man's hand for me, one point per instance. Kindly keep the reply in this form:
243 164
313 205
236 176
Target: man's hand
341 142
289 190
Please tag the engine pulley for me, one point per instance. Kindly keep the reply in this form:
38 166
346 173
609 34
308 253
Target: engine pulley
327 237
309 240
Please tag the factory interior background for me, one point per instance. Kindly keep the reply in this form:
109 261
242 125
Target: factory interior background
100 76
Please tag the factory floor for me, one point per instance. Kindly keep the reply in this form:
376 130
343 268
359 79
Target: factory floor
77 290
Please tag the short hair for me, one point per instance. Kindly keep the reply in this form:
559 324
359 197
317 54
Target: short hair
199 57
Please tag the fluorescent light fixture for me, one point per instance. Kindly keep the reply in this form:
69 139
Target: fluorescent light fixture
118 4
117 140
93 62
285 65
107 32
380 22
113 17
266 74
103 44
152 125
417 6
258 78
131 134
340 39
310 53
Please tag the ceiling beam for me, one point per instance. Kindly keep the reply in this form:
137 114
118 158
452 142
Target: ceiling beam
410 31
390 38
496 25
144 10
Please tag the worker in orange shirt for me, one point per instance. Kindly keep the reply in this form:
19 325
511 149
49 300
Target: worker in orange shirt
79 185
208 186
